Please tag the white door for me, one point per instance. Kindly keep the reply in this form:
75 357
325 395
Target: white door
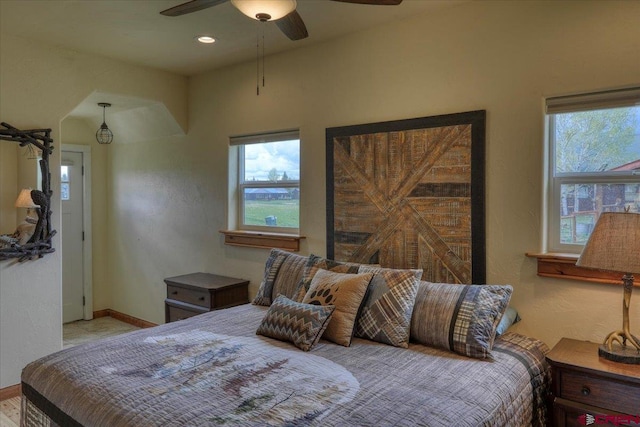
71 192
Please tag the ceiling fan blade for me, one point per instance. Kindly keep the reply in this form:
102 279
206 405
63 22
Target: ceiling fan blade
373 2
292 26
191 6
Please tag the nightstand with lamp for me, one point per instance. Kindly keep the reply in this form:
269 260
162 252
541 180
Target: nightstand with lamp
601 383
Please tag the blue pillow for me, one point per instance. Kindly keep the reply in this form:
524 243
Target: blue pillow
510 317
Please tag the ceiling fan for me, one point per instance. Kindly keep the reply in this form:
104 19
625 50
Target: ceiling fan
282 12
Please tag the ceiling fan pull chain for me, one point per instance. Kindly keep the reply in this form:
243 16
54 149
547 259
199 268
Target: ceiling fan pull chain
258 65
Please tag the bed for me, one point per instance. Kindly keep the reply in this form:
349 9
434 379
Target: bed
213 369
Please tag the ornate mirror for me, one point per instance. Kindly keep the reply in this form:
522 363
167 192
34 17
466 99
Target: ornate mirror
40 241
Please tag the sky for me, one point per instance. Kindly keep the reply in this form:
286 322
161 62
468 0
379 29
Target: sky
261 158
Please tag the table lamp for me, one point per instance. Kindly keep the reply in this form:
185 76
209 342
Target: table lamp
614 245
24 200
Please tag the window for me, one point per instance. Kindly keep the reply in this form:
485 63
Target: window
269 182
594 149
64 182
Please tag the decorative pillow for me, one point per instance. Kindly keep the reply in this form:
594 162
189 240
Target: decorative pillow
460 318
315 263
386 311
510 317
301 324
289 275
272 266
346 292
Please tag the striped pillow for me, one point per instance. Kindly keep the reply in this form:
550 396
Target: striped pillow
301 324
271 268
282 273
459 318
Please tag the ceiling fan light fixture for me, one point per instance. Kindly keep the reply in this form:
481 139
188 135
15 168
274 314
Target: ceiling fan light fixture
265 10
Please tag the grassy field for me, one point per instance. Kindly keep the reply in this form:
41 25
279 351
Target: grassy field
287 212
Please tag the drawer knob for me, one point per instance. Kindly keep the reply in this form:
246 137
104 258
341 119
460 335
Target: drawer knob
201 298
174 293
585 391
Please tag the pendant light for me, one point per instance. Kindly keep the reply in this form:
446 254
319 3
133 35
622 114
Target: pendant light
104 134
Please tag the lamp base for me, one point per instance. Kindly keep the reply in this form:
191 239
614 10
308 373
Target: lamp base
627 354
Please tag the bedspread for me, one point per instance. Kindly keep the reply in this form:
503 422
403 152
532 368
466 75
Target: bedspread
213 370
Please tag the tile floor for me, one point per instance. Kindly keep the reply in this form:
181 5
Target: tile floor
73 333
82 331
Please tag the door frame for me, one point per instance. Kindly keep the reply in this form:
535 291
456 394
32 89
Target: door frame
87 269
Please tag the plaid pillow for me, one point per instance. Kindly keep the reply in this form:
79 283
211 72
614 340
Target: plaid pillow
271 268
460 318
386 311
301 324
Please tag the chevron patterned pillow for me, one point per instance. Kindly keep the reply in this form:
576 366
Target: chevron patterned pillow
301 324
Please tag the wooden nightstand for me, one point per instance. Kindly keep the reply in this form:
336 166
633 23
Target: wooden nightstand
199 293
584 383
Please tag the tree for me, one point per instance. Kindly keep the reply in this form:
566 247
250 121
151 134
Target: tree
590 141
273 175
284 176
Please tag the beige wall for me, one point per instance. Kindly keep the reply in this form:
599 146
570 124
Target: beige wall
504 57
166 199
39 86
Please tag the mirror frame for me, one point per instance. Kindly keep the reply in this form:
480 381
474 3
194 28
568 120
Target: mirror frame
40 242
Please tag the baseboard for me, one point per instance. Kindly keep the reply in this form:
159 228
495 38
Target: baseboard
11 391
16 390
101 313
124 318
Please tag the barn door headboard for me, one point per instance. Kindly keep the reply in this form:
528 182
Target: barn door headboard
410 194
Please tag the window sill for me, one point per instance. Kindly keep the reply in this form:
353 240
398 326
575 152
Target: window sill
563 266
259 239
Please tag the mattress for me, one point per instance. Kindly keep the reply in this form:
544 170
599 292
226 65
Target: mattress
213 370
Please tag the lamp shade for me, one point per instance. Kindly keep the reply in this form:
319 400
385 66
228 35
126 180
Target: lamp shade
275 9
614 244
24 199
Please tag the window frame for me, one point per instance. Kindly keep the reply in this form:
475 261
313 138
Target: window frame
241 142
569 104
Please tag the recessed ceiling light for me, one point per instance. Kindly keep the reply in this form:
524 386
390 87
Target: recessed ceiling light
206 39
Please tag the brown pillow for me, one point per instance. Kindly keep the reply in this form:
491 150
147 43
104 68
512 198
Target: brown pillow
346 292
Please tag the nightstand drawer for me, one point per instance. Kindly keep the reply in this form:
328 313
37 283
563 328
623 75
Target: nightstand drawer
179 311
600 392
191 296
